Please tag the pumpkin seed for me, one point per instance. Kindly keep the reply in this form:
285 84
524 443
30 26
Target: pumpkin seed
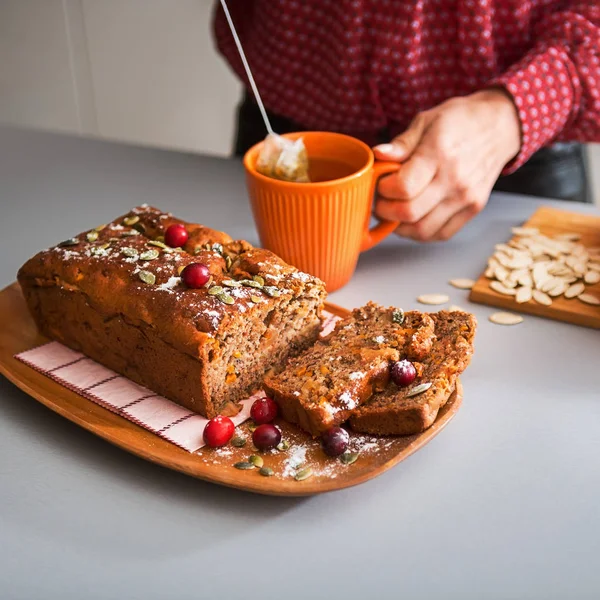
349 458
525 231
505 318
256 299
238 441
250 283
180 268
103 246
559 289
100 227
129 221
225 298
228 262
592 277
398 316
91 236
158 244
542 298
147 277
589 299
574 290
130 252
283 445
433 299
252 427
130 233
271 291
303 474
524 294
67 243
217 248
231 283
215 290
500 273
243 465
462 284
256 460
149 255
418 389
266 471
502 289
259 280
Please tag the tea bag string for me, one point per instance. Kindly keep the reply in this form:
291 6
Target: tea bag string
247 67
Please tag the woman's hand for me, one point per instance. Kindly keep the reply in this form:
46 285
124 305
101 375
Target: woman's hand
452 156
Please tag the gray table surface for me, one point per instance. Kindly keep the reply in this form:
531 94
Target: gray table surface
504 503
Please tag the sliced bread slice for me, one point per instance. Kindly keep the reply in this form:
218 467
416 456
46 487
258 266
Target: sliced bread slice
321 387
395 411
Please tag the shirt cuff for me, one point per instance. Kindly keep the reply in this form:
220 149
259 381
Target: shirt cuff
543 86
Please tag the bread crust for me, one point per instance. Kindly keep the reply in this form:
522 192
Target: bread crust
88 293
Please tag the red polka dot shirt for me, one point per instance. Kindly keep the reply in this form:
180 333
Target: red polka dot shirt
359 66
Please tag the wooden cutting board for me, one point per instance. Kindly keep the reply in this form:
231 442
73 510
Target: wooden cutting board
550 222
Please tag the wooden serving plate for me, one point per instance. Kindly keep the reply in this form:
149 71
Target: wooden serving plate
18 333
551 222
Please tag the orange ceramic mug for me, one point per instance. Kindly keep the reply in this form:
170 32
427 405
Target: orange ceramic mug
321 227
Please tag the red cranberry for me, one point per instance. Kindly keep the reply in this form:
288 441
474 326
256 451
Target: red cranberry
335 441
195 275
176 235
266 436
264 410
403 373
218 431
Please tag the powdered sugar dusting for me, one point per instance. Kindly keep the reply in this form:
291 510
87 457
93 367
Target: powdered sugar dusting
169 285
308 454
296 459
356 375
347 399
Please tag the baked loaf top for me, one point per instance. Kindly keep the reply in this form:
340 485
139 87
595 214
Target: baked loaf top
321 387
124 268
395 411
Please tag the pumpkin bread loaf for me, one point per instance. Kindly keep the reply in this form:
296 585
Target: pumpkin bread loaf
396 411
115 293
322 387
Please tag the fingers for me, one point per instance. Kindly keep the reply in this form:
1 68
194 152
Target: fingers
403 145
455 224
443 220
411 211
411 180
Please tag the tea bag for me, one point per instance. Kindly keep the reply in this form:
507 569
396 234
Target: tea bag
279 157
284 159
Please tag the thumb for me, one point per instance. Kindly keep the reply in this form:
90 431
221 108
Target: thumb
403 145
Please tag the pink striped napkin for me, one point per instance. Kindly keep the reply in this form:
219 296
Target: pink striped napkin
122 396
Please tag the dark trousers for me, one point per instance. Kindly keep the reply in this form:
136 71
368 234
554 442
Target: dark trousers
557 171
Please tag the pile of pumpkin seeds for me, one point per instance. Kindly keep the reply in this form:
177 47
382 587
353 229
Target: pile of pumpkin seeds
539 268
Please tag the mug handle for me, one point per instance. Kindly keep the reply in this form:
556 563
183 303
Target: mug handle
373 236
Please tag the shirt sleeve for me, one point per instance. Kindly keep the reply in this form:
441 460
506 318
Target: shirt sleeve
556 85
